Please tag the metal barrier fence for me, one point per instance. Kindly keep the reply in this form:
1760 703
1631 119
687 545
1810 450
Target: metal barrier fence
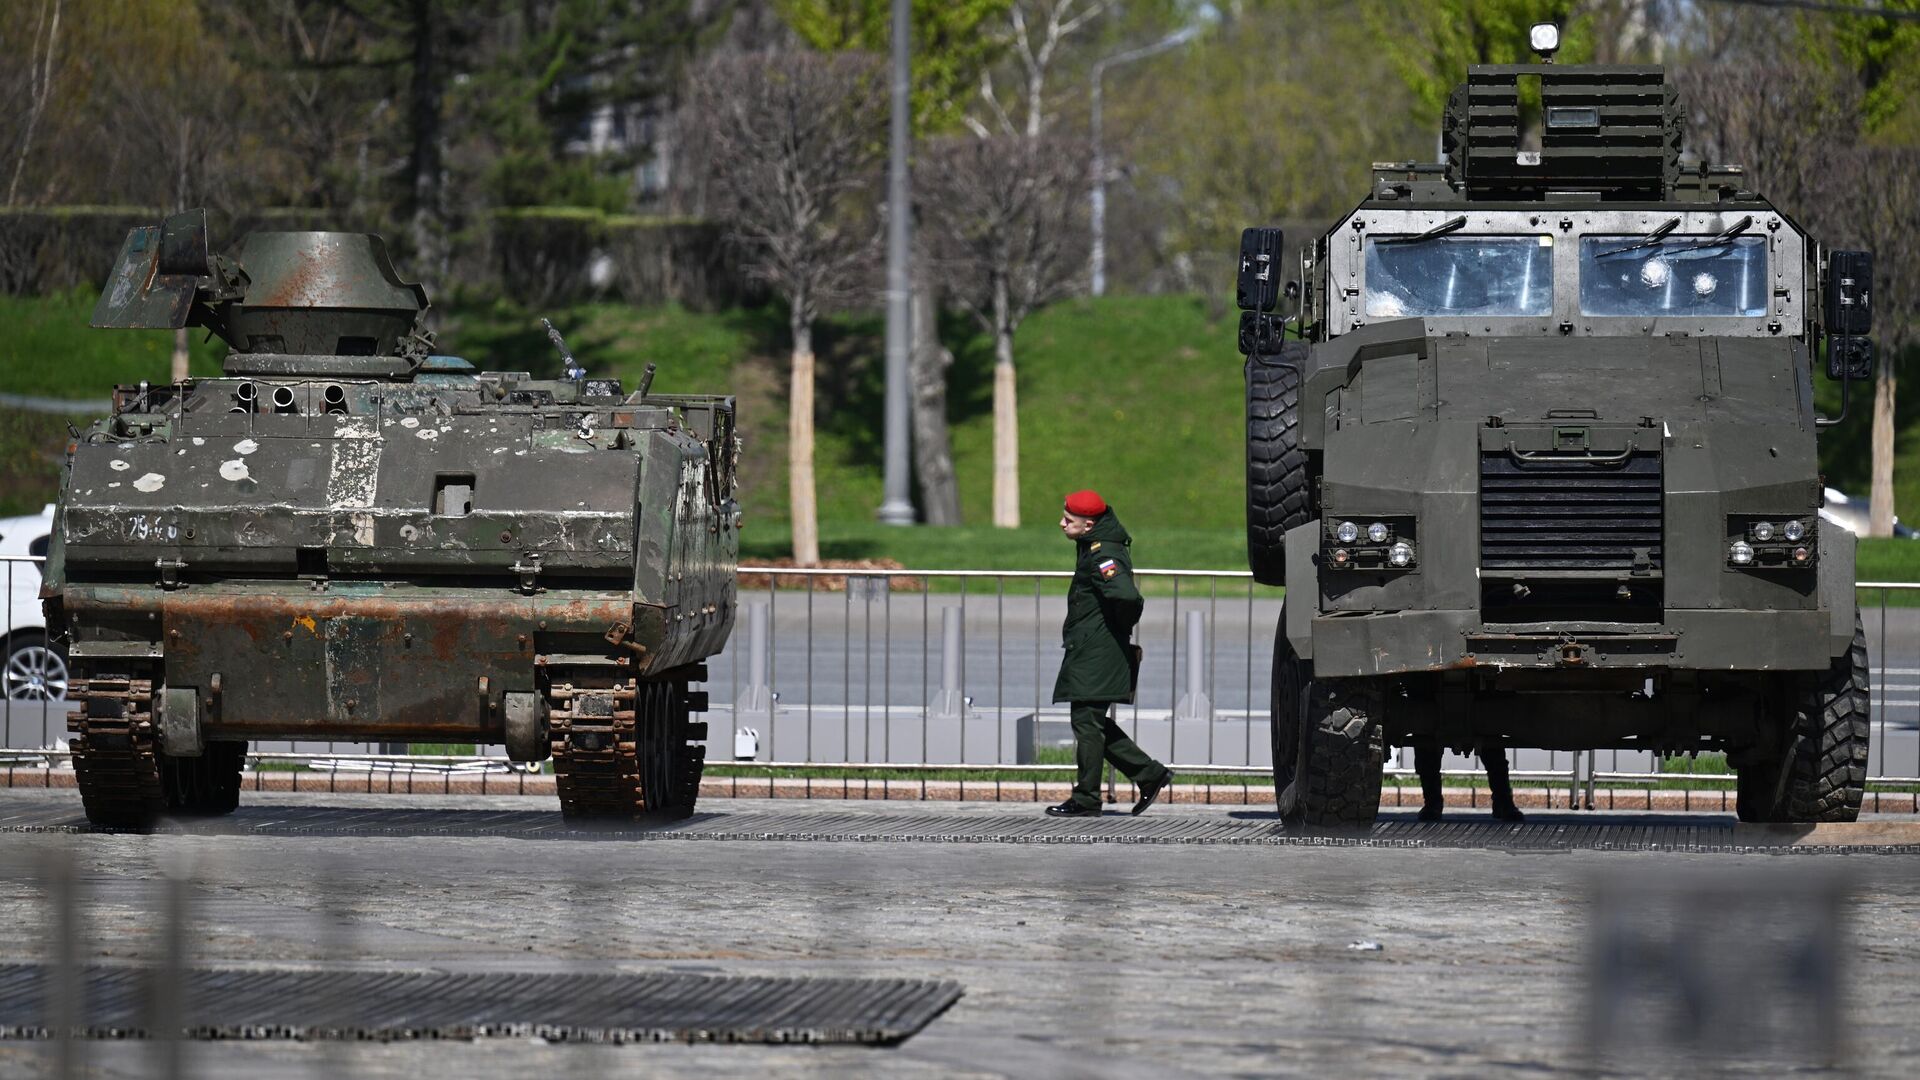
912 670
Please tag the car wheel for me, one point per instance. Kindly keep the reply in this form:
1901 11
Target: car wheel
36 670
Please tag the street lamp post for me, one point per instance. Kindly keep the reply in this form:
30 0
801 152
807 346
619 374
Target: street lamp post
1097 202
896 506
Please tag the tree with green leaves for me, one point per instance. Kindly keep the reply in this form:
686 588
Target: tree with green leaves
954 42
790 143
1431 43
1879 57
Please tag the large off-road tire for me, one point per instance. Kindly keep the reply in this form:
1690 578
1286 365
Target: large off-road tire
1279 481
1327 743
1822 775
208 784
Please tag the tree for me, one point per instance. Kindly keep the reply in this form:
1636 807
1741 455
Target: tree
1037 30
1431 43
39 69
954 41
1007 216
790 143
1255 125
1881 57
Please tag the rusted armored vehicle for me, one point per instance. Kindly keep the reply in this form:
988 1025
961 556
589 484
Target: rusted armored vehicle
347 536
1533 450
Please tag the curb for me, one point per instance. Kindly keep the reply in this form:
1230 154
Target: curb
1034 791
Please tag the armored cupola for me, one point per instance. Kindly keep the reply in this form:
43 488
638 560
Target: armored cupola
292 303
320 294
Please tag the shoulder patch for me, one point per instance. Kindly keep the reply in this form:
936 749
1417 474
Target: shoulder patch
1095 547
1107 568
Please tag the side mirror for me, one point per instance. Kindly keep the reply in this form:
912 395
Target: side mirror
1849 293
1849 358
1258 285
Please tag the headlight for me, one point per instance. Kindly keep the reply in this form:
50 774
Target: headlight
1346 532
1794 531
1377 532
1763 531
1544 37
1400 554
1740 554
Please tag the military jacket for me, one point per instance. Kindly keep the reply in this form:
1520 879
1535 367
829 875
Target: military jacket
1103 604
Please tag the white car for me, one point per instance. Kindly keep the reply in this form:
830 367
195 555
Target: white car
1851 514
35 669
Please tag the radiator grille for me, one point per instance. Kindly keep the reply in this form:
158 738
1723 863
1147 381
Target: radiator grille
1569 514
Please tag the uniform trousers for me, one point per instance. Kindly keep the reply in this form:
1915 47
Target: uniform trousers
1097 739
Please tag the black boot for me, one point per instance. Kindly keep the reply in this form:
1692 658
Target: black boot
1494 757
1426 762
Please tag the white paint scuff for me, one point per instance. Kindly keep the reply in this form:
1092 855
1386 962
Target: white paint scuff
153 481
235 470
245 447
118 466
353 477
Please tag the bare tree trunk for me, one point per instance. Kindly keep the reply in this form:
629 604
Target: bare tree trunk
1880 505
40 84
802 506
428 227
932 446
1006 416
180 354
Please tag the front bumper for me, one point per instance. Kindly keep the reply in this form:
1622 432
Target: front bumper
1403 642
357 661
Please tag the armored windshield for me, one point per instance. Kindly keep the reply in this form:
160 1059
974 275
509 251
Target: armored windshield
1625 275
1459 275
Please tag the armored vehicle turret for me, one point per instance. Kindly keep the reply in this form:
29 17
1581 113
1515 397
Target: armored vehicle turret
347 536
1532 446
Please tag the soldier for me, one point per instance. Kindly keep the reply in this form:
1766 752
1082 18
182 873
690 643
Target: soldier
1426 762
1100 663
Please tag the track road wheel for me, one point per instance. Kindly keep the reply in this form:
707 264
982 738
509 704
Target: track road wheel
1327 744
1279 483
1823 774
627 751
208 784
115 757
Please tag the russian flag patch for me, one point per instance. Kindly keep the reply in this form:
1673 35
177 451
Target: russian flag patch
1107 568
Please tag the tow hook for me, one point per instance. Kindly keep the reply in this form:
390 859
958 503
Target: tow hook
1572 654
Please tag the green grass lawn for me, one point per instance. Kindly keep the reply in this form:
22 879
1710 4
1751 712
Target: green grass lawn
47 349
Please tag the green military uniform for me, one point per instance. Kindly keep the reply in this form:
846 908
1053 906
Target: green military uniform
1102 607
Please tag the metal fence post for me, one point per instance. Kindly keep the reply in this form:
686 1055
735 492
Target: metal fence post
948 701
1194 704
753 702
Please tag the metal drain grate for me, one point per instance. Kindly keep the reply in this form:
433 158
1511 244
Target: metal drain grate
387 1006
1655 832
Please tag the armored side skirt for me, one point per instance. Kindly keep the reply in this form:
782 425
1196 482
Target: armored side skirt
1403 642
354 664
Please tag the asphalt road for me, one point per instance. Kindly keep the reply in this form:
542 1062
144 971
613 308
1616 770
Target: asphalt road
1108 960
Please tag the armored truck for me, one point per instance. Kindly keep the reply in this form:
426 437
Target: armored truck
1531 446
350 536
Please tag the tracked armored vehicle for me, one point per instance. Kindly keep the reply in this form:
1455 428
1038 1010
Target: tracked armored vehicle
347 536
1534 454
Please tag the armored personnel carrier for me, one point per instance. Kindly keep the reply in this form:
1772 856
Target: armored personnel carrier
1533 453
349 537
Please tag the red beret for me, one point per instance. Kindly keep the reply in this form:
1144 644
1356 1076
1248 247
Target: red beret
1086 504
